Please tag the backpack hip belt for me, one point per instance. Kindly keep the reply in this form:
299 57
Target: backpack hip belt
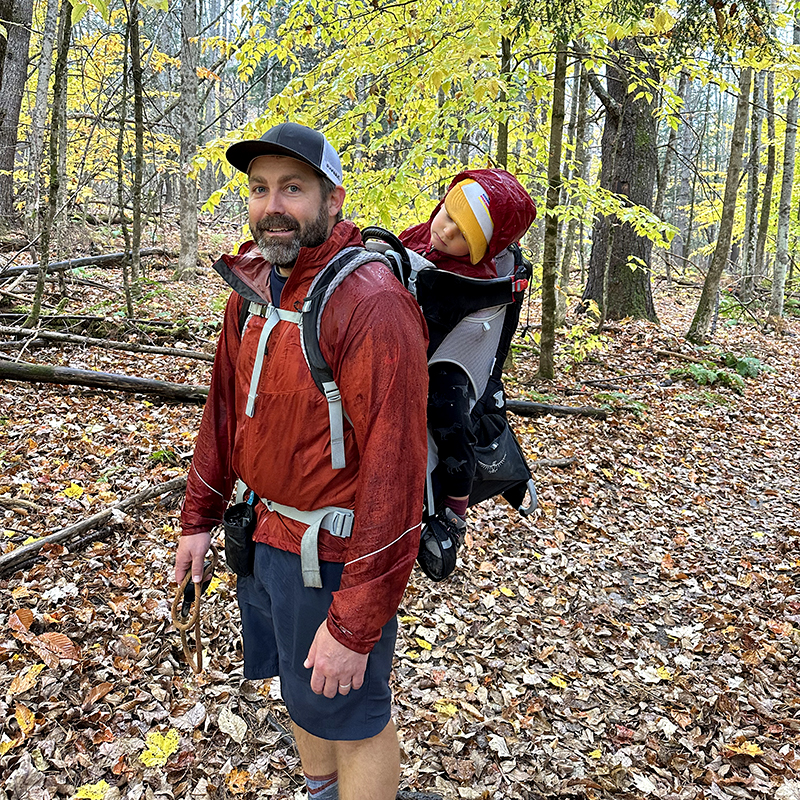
338 521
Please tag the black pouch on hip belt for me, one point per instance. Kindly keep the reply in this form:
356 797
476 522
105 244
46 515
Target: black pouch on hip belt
239 523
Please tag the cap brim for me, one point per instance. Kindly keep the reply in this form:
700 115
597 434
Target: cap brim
241 154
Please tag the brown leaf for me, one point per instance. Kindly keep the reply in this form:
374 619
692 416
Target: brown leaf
97 693
22 683
21 620
58 645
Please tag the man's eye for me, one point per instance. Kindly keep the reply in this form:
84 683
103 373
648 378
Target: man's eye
256 189
293 189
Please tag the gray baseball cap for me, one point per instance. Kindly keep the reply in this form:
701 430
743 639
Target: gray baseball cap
293 140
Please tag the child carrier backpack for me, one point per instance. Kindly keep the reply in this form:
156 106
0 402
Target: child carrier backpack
471 323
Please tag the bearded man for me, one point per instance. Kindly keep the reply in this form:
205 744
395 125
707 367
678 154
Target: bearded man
266 425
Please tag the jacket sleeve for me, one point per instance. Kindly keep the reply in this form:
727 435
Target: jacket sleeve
380 366
211 478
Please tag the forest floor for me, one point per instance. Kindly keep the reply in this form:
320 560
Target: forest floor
638 636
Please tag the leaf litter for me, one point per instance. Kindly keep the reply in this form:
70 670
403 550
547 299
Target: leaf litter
637 637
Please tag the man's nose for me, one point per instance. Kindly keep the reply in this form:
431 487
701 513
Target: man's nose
273 204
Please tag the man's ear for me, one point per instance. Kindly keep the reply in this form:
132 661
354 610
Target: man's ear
336 200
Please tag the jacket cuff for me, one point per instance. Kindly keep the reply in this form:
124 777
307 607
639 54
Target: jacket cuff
346 638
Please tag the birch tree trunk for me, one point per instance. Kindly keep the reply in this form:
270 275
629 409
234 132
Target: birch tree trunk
38 118
785 202
751 212
187 261
769 180
16 19
551 226
138 161
698 330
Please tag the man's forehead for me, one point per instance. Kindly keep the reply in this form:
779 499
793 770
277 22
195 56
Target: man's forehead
280 166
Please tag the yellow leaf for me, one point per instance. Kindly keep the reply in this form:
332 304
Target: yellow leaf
159 748
436 78
595 754
411 654
506 591
423 644
6 746
557 680
745 749
27 680
73 490
664 674
25 718
92 791
409 620
443 707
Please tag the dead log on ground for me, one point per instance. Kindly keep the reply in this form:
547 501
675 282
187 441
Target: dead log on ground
45 373
554 462
106 260
108 344
524 408
25 552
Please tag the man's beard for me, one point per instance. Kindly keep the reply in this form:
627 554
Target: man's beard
284 253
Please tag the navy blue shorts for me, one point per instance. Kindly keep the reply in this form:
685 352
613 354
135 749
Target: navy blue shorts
280 618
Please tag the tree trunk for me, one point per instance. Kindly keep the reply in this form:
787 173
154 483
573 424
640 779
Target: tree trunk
701 324
14 67
502 123
138 161
785 203
628 170
38 118
44 373
551 226
769 180
123 116
187 261
580 169
107 260
751 211
58 120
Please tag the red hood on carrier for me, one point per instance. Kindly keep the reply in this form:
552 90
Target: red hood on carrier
512 211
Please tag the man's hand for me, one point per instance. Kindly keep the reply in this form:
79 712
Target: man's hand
191 552
336 667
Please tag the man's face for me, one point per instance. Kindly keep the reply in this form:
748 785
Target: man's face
446 236
286 209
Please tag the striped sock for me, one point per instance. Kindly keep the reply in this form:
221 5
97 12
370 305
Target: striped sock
323 787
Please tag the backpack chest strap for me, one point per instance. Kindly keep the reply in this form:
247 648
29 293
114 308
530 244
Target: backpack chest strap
339 521
272 316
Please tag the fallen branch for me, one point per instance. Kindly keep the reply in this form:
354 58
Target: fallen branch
109 344
554 462
44 373
23 553
107 260
637 376
681 356
524 408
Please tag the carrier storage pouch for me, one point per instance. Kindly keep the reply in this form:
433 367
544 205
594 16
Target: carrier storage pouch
239 523
501 467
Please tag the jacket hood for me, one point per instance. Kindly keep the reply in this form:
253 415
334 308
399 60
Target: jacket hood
510 206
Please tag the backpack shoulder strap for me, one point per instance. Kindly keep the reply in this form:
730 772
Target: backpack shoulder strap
322 287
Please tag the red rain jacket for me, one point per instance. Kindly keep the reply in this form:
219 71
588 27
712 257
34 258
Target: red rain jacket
374 338
512 212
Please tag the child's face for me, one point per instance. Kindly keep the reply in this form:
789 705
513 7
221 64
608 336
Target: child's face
446 236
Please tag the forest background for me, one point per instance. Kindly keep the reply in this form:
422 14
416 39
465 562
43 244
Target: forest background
648 618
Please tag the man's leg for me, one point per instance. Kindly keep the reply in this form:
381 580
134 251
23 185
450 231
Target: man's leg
368 768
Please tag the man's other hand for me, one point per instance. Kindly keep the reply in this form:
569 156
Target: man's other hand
336 668
191 553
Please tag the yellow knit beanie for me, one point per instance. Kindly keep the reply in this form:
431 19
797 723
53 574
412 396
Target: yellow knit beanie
468 206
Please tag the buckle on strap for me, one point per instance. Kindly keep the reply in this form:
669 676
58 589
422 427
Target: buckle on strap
338 521
336 423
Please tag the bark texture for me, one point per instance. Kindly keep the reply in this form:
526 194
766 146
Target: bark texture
701 324
628 169
15 17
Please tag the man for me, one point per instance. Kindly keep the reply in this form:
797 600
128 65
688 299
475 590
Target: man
332 646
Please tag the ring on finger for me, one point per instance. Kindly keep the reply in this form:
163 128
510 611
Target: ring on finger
345 685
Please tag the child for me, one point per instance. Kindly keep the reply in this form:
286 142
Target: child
483 212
